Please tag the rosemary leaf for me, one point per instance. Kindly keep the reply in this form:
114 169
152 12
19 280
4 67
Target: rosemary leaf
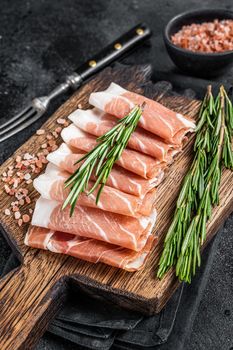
101 159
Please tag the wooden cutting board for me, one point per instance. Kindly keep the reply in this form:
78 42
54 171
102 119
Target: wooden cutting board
31 295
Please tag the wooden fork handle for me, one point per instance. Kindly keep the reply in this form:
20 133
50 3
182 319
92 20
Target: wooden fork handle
29 299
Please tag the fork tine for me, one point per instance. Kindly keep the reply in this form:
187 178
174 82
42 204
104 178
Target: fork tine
30 112
15 117
22 126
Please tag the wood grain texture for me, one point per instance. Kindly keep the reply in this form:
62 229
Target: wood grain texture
30 296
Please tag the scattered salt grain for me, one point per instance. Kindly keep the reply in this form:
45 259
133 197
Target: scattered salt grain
28 156
7 212
27 176
17 215
27 199
21 201
26 218
49 137
55 134
20 222
58 130
54 147
15 208
18 159
61 121
40 132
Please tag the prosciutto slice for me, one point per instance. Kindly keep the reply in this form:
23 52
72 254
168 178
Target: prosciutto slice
125 231
119 178
136 162
156 118
88 249
51 186
97 123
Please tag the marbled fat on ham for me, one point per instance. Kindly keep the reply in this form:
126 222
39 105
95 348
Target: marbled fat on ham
138 163
125 231
88 249
119 178
96 122
51 186
156 118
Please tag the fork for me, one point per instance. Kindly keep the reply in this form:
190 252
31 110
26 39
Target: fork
39 105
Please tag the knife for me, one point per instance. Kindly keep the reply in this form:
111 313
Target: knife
39 105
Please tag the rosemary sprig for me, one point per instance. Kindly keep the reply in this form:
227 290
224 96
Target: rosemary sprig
196 232
193 186
200 189
101 158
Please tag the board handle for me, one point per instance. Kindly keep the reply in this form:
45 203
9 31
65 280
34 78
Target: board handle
29 299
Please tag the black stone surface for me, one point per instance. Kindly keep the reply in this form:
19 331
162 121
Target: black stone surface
41 41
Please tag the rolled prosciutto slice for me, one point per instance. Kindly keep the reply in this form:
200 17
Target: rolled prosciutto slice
51 186
125 231
156 118
136 162
97 123
88 249
119 178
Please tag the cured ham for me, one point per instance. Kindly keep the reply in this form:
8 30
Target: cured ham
51 186
136 162
88 249
125 231
97 123
156 118
119 178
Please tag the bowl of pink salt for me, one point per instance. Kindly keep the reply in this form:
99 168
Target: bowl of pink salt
200 42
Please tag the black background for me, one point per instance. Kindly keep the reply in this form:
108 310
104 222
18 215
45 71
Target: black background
41 41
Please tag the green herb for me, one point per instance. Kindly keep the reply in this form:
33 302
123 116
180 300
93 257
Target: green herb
200 188
101 159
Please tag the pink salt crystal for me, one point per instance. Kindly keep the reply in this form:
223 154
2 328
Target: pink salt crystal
61 121
44 145
30 211
29 181
12 192
55 134
44 160
7 212
27 156
20 222
17 215
27 176
24 191
40 132
49 137
27 199
46 152
58 130
51 142
18 159
15 208
7 188
21 201
54 147
26 218
16 182
39 164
